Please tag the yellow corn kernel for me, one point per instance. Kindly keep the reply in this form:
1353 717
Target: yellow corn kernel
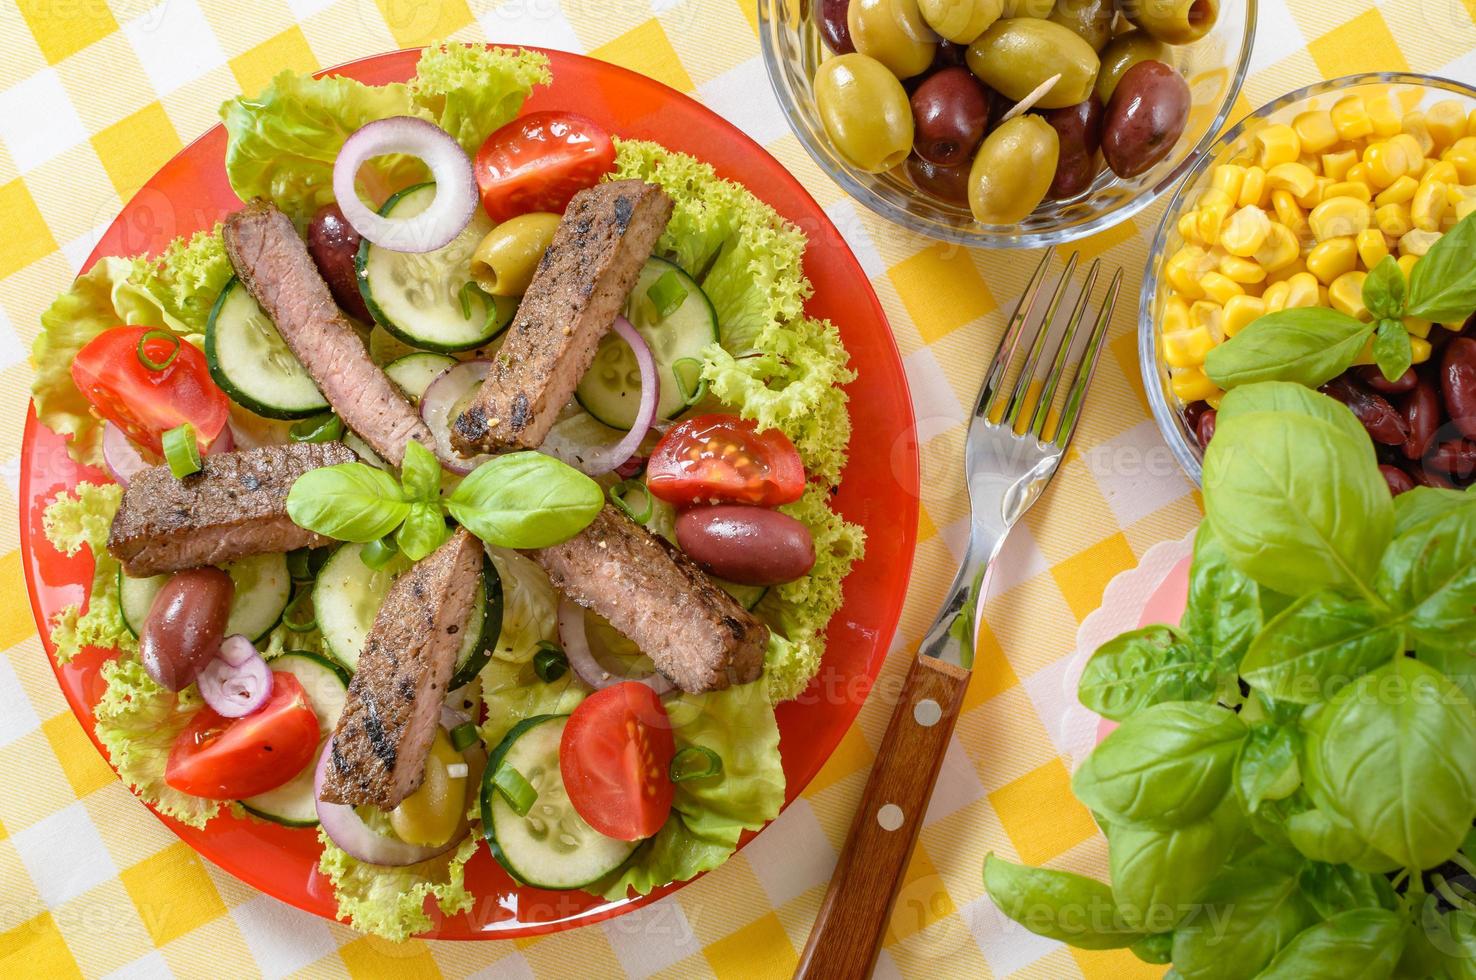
1419 350
1387 161
1175 314
1245 232
1415 126
1190 384
1350 118
1211 218
1278 143
1189 227
1332 258
1275 296
1291 177
1407 264
1286 272
1399 192
1335 165
1316 131
1303 289
1316 195
1446 121
1345 293
1365 356
1242 270
1288 211
1252 188
1359 172
1393 219
1219 288
1466 144
1464 162
1339 217
1417 241
1187 348
1348 188
1206 315
1185 268
1227 177
1280 249
1429 204
1464 208
1441 170
1414 151
1417 326
1240 312
1372 247
1471 123
1383 116
1215 196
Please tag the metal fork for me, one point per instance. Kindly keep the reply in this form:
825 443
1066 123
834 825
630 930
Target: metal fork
1012 452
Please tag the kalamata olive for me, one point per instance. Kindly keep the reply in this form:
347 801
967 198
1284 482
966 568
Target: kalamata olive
1145 118
185 625
747 545
1383 423
1398 480
1456 457
1421 409
1015 56
960 21
894 33
1091 20
948 55
949 184
1013 170
864 110
949 113
833 26
1124 51
334 246
1173 21
1374 378
1204 429
1458 384
1080 129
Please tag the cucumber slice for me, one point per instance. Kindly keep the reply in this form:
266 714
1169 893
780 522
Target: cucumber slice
748 596
611 389
251 362
414 372
418 296
293 804
348 593
552 847
263 589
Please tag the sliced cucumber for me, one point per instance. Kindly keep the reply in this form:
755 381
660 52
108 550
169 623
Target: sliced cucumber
348 594
263 589
362 450
414 372
611 389
251 362
294 803
552 847
748 596
420 297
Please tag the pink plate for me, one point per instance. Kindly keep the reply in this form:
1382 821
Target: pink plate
879 491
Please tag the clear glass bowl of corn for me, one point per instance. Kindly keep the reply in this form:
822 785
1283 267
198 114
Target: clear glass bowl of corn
1291 207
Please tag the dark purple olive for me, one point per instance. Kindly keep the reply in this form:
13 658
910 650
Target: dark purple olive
747 545
949 55
185 626
1145 118
1080 129
950 112
833 26
948 184
334 246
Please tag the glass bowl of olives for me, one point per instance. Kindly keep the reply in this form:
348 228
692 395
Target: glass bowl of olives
1006 123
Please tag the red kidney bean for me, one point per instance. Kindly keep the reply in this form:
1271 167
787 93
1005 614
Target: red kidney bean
1398 480
950 184
334 246
185 625
1374 411
1204 429
1458 384
1456 457
748 545
949 113
1145 118
1421 409
1080 129
1374 378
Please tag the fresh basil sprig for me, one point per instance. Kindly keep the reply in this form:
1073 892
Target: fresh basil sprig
525 500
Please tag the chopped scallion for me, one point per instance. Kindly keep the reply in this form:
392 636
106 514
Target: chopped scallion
667 294
550 662
640 514
143 353
695 762
299 616
377 553
325 427
181 451
689 379
463 736
519 794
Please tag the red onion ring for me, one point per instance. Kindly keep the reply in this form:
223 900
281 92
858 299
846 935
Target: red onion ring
237 681
124 460
575 641
437 403
603 461
456 187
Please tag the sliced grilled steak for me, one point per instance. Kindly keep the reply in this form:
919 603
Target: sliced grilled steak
235 506
278 272
395 698
606 235
696 633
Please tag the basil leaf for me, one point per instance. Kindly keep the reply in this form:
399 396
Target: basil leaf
1157 949
1393 750
420 474
1058 905
1267 765
1168 765
1323 837
349 502
1284 396
1391 349
1298 504
423 532
1144 667
1223 613
1364 943
1251 911
1319 645
1334 888
1307 345
1456 662
1159 875
1429 572
1383 290
525 500
1442 287
1415 507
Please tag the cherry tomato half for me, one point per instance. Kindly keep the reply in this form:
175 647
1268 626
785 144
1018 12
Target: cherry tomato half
232 758
615 757
723 459
146 400
539 161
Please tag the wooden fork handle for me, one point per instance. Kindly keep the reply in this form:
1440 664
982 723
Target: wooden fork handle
858 905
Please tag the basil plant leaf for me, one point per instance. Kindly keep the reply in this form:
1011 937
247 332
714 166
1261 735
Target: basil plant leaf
1442 286
1391 349
1146 666
525 500
1267 766
1429 571
423 532
1363 943
1223 613
1306 345
1319 645
348 502
1415 507
1322 836
1250 913
1157 949
1384 290
420 474
1284 396
1158 875
1334 888
1058 905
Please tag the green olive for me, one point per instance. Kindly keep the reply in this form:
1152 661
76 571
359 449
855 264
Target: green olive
1089 19
1124 51
894 33
1173 21
1015 56
865 111
960 21
1013 170
433 813
505 261
1028 8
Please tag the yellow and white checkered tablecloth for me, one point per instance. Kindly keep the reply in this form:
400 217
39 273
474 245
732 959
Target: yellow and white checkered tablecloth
95 96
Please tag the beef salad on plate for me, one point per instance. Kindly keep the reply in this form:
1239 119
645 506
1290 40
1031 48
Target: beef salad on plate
470 484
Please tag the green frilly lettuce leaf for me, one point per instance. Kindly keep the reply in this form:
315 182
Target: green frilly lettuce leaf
471 90
73 520
390 902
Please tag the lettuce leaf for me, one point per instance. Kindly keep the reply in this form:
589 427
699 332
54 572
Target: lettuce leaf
390 902
513 693
530 606
186 280
471 90
74 520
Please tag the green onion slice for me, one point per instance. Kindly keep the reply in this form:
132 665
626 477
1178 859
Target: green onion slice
143 353
376 554
695 762
182 451
299 616
648 503
667 294
464 736
324 427
689 379
516 790
550 662
297 565
464 297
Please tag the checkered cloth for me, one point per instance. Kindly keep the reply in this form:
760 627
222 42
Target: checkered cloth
95 96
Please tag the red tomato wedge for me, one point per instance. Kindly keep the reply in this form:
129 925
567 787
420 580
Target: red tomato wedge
539 161
723 459
233 758
615 757
146 400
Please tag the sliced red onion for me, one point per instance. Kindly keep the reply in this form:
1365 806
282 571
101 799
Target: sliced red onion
439 403
225 442
576 647
456 187
601 461
124 459
238 681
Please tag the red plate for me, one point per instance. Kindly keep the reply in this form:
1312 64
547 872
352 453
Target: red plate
879 490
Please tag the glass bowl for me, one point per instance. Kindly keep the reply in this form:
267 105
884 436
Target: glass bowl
1410 91
1214 67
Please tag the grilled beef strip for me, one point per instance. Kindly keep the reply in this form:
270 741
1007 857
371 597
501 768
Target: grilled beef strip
605 237
697 634
394 701
235 506
278 272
